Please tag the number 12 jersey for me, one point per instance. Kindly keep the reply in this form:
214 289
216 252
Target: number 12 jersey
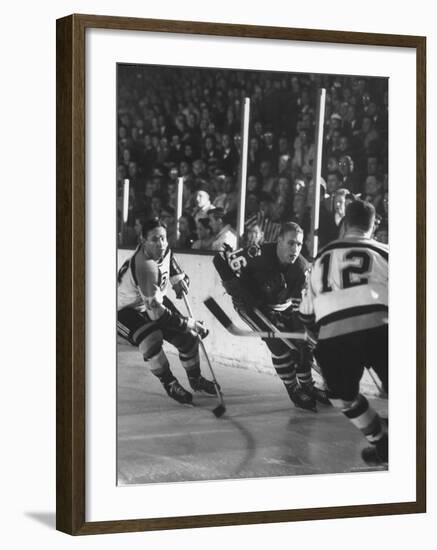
347 288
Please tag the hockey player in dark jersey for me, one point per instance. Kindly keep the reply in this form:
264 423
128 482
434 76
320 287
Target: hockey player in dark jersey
346 303
146 316
270 278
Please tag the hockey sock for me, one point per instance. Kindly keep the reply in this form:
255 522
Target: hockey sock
305 378
363 417
189 357
158 364
304 368
285 368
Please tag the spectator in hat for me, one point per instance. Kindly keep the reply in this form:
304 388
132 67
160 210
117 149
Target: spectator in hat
203 204
222 231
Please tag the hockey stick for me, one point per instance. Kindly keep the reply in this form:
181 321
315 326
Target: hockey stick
224 320
277 332
271 325
220 409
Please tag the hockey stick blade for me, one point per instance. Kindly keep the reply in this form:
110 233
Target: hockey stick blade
219 411
224 320
218 313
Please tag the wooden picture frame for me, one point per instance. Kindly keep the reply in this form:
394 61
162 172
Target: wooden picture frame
71 253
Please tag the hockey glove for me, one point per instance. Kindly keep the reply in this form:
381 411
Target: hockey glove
181 287
197 328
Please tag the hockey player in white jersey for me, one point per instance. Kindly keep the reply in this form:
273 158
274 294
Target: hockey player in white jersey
346 303
146 316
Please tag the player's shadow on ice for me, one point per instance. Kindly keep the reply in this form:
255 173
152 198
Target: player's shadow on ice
46 518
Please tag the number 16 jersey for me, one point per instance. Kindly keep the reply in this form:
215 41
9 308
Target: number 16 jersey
348 288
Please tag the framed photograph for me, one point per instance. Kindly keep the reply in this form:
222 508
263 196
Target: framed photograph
228 319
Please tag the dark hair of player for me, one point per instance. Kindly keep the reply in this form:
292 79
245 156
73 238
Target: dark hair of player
360 214
151 224
287 227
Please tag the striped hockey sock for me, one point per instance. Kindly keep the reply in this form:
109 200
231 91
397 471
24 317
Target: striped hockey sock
285 368
190 360
366 419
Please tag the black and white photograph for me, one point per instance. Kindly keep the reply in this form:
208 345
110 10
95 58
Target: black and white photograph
252 273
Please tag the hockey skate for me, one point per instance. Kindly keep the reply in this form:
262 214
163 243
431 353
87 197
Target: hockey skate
177 392
376 455
317 393
202 384
301 399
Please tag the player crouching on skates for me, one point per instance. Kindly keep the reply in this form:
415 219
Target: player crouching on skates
146 316
347 302
269 279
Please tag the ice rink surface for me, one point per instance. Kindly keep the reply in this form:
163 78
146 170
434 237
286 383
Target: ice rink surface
261 434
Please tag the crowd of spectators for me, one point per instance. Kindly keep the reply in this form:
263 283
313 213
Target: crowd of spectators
185 122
